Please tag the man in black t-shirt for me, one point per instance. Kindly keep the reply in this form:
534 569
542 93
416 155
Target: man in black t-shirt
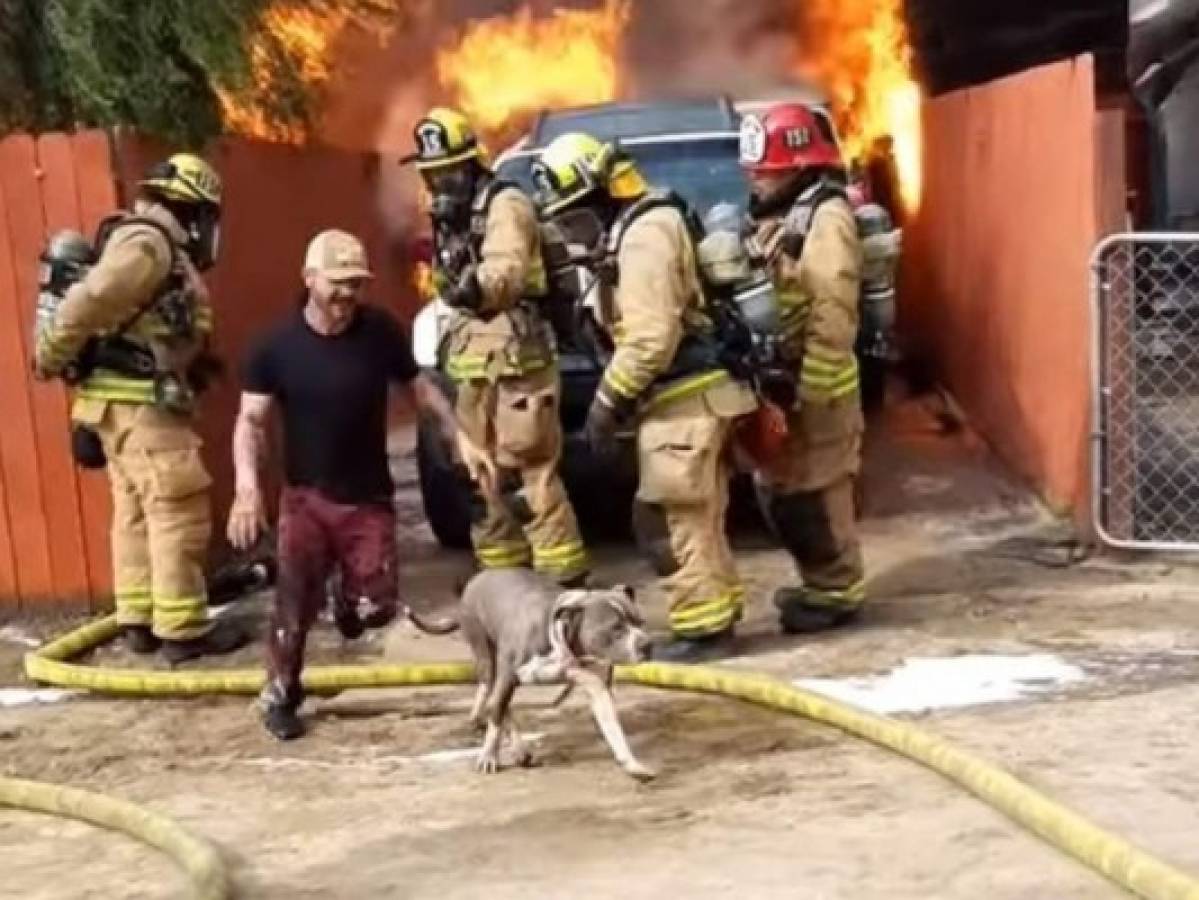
328 368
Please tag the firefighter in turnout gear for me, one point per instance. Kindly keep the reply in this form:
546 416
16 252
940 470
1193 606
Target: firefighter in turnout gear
804 230
499 350
127 335
663 378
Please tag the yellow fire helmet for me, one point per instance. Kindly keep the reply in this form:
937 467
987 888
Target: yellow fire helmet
186 178
444 137
574 165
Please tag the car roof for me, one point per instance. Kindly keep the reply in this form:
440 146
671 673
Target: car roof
625 120
662 121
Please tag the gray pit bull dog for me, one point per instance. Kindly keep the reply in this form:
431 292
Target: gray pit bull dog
524 629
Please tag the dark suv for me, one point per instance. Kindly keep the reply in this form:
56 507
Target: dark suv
689 146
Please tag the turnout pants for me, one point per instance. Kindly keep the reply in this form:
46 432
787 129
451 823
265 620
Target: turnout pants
679 515
530 519
811 486
161 516
317 535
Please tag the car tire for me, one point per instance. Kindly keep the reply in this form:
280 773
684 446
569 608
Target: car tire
445 501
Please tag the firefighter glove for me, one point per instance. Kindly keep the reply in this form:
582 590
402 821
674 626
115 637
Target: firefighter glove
465 293
604 420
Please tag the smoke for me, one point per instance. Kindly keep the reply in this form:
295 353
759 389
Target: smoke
701 47
671 48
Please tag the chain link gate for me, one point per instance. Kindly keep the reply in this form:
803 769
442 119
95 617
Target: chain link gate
1145 291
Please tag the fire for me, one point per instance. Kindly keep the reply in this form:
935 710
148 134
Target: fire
301 40
860 52
422 281
504 68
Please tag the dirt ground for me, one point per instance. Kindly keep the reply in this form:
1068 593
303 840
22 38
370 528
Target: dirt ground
381 800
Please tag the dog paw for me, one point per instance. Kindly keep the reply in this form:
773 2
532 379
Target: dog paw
487 764
525 760
638 771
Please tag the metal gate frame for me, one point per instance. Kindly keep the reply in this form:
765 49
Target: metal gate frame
1104 396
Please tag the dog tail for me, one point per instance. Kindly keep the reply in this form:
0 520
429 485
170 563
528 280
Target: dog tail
432 626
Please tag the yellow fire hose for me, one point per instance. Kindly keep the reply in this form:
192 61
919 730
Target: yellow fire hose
197 857
1126 865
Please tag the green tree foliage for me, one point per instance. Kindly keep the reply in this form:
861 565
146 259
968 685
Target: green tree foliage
159 65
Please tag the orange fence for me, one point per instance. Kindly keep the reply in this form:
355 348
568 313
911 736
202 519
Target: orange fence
54 518
995 281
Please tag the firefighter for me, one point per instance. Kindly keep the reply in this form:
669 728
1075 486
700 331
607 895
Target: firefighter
804 229
488 269
663 378
129 331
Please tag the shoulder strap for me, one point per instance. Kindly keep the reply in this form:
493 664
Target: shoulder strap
798 223
481 206
652 200
109 226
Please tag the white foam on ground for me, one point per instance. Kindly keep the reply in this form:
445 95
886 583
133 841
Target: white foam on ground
16 636
951 682
10 697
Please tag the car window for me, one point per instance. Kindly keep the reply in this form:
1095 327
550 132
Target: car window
705 172
640 119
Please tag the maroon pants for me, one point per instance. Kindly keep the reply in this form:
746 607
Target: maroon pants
316 536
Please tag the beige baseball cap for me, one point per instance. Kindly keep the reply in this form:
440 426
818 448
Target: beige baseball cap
337 255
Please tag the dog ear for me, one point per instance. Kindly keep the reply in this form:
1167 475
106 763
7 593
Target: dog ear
571 600
623 599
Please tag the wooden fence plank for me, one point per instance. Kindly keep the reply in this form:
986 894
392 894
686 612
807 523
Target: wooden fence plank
9 593
68 557
95 182
97 198
18 446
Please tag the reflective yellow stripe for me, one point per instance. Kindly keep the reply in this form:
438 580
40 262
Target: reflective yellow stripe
181 602
562 566
701 619
106 385
621 383
503 556
536 282
559 550
474 366
137 602
689 387
50 353
853 595
794 299
466 368
828 380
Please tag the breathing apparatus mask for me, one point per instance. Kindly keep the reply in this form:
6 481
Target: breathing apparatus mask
202 224
452 189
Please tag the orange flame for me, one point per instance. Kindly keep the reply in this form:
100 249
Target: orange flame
507 67
859 50
422 282
306 38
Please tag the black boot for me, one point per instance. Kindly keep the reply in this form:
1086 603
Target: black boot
348 622
281 720
697 649
225 637
798 617
140 639
280 708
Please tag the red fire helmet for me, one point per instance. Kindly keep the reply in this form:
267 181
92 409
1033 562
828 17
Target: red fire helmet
787 137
